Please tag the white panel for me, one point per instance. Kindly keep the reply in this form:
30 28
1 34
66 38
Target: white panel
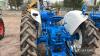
72 20
37 18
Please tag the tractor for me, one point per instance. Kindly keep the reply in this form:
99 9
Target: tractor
94 14
2 29
43 35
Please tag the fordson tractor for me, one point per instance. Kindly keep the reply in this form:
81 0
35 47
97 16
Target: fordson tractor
43 35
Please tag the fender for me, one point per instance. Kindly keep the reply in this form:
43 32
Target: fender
72 20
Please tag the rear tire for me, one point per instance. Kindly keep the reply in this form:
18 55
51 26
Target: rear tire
90 38
28 35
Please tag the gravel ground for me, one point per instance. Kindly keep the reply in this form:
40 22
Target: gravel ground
97 51
9 46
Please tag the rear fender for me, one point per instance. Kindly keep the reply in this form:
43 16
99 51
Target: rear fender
72 20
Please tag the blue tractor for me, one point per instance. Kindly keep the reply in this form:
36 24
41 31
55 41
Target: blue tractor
54 36
94 14
43 35
66 39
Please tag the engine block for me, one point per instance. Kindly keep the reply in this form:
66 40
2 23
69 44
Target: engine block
54 35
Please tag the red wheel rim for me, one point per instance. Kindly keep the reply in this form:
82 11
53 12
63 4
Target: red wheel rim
1 28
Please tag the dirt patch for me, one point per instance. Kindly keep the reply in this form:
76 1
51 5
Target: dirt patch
10 45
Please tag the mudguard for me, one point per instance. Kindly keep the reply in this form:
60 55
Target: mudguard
72 20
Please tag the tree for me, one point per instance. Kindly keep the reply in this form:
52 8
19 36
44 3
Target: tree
98 4
58 5
73 3
18 3
15 3
67 3
11 3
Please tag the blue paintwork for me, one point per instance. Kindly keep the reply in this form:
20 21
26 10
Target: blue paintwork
54 36
94 15
84 8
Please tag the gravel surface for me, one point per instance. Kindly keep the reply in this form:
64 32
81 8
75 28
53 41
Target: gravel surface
10 45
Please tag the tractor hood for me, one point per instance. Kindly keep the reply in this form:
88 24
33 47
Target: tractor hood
72 20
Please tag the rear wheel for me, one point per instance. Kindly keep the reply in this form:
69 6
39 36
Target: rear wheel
28 35
77 44
90 38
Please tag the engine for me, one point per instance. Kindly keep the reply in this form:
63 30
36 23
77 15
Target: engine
54 35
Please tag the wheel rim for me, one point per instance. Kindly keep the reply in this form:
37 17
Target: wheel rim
1 28
78 41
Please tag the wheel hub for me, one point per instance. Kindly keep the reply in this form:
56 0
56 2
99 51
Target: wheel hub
78 42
